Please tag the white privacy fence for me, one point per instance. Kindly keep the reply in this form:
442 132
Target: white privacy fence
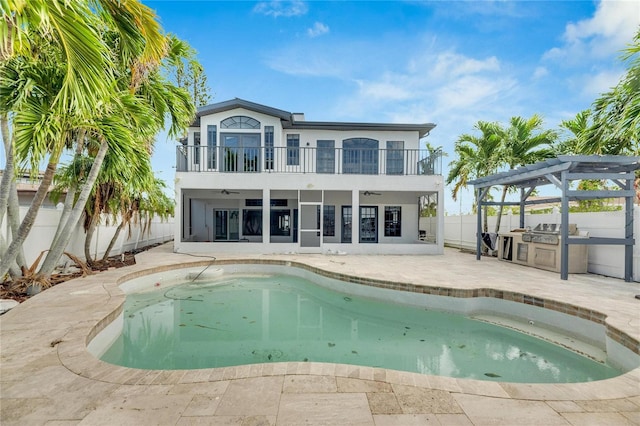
460 231
44 228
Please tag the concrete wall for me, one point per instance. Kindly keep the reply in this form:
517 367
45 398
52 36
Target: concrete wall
460 231
44 228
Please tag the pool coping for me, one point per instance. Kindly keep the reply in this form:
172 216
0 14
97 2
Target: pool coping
73 354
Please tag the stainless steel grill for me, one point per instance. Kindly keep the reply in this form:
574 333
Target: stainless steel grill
547 233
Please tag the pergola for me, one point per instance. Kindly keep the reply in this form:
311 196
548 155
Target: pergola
561 171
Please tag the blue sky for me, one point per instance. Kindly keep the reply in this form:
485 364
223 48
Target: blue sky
447 62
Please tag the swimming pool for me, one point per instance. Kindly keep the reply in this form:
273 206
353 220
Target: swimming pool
232 318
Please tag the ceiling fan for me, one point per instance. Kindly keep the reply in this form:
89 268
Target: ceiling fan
367 193
225 192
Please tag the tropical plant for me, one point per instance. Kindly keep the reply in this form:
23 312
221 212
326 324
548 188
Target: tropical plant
616 113
189 75
577 128
523 142
146 104
477 157
63 82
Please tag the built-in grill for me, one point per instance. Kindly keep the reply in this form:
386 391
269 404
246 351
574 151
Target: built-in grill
540 247
547 233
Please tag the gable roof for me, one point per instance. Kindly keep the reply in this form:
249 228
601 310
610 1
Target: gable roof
289 122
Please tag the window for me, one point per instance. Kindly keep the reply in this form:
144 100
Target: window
346 224
326 157
211 146
240 122
392 221
395 157
293 150
279 202
281 222
196 150
252 222
268 147
257 202
360 156
329 221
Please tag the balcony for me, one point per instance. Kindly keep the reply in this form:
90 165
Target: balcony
398 162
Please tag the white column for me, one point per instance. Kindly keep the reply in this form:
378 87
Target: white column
355 216
266 216
440 216
178 220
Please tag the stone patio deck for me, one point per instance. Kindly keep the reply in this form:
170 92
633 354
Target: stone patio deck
48 377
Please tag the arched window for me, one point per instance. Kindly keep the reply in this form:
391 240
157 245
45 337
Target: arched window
240 122
360 156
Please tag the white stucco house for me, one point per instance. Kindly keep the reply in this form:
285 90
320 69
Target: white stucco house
255 179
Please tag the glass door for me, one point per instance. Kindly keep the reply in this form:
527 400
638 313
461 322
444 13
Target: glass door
368 224
226 225
241 152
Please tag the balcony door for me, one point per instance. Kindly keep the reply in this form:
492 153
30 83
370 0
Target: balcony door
240 152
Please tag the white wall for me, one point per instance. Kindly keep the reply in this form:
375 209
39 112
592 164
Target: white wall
460 231
44 228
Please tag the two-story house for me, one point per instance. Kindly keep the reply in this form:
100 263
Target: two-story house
256 179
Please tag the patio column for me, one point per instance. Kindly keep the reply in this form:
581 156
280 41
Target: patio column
355 217
440 215
266 216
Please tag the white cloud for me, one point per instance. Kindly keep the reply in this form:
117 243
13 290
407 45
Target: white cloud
449 64
540 72
421 94
611 28
278 8
318 29
594 85
383 90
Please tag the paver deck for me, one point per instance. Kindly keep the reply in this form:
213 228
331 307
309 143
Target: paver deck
48 377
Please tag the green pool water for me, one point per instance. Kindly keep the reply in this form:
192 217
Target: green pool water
259 319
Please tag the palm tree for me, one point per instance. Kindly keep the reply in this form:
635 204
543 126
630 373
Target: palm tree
141 207
72 27
141 112
76 98
577 127
477 157
523 142
616 114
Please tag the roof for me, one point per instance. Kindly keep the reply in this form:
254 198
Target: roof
289 122
540 173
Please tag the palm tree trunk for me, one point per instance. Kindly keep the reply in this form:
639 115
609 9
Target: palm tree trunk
499 219
87 242
113 240
9 193
14 270
71 194
13 216
485 220
9 256
55 253
7 175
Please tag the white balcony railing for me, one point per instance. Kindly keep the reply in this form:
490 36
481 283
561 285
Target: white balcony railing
190 158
